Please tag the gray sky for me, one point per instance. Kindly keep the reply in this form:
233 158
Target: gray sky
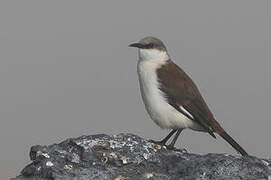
66 70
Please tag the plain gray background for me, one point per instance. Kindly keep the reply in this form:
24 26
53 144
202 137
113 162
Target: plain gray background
66 70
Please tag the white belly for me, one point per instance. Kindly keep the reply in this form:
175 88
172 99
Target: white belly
162 113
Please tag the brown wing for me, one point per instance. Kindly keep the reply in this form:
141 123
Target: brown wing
181 91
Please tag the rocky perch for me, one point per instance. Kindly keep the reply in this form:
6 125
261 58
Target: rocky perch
127 156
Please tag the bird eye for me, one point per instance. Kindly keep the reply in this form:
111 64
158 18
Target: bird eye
151 45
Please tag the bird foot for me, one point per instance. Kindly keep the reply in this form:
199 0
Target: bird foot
161 143
169 147
172 148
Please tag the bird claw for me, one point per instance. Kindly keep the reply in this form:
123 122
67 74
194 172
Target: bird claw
161 143
168 147
172 148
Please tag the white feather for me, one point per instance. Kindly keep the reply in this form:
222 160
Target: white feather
183 109
153 55
162 113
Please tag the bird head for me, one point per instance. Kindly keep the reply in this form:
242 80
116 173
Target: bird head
151 48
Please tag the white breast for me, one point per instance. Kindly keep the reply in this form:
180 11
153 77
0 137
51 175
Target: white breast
163 114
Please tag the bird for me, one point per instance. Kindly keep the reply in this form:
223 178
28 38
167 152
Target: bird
170 96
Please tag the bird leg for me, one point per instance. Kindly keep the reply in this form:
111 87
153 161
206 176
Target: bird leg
171 145
163 141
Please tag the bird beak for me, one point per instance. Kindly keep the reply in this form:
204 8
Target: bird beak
138 45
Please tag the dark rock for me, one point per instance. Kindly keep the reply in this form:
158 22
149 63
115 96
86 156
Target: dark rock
127 156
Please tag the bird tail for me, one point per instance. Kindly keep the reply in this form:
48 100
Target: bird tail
233 143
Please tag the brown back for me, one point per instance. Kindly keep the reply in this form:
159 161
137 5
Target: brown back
180 90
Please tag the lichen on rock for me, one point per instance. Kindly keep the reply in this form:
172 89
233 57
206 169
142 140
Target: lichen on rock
128 156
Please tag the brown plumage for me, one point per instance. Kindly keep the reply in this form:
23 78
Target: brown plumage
180 90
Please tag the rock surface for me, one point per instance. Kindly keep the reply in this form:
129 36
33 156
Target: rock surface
127 156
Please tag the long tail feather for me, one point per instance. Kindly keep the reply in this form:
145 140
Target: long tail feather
233 143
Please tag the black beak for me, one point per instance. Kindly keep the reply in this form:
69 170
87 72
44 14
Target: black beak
138 45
